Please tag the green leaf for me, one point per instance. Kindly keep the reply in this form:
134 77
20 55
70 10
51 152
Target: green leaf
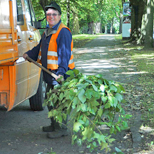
95 88
125 125
102 138
66 83
118 128
112 130
111 140
107 105
59 118
119 97
87 133
83 107
104 99
70 72
61 96
100 81
100 112
77 126
75 102
81 122
94 103
89 81
96 95
113 101
120 88
76 71
128 116
89 93
50 114
94 144
113 88
81 96
99 75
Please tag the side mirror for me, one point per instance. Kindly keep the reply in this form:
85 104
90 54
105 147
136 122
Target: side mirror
38 24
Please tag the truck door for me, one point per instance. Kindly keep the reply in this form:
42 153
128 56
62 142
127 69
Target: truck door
28 37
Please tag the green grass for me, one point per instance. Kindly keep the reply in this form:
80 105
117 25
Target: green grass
144 60
81 39
118 37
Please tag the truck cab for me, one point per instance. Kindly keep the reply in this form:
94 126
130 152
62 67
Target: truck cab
19 79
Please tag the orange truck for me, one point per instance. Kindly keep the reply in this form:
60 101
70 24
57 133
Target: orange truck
19 79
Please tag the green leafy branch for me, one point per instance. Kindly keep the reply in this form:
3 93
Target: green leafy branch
90 102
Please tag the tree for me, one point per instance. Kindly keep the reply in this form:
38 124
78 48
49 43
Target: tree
147 24
111 12
85 13
142 22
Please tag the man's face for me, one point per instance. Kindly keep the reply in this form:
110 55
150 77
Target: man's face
53 17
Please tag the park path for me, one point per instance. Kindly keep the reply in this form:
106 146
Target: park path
105 56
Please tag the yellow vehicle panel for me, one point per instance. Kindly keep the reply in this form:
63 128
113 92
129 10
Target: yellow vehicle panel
19 79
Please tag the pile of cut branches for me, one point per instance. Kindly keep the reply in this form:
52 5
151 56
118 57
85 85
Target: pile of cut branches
90 101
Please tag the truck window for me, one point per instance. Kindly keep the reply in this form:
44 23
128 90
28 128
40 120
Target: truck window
20 19
28 13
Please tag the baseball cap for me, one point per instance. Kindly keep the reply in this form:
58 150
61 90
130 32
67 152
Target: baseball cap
53 5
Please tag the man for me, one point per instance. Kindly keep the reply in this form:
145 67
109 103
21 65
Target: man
55 53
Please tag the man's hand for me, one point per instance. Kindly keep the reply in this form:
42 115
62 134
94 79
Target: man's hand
60 78
25 56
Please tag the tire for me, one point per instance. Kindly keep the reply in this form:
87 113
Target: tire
36 101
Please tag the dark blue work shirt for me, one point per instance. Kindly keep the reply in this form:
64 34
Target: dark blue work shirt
63 50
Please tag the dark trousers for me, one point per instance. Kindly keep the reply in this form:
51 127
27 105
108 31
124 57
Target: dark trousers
54 124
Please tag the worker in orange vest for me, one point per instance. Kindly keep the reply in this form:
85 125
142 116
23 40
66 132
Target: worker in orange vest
54 51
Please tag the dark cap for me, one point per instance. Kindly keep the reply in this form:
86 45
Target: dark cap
53 5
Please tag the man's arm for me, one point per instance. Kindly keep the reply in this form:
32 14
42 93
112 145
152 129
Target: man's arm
64 50
33 53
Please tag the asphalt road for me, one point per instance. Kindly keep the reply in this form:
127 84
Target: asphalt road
20 133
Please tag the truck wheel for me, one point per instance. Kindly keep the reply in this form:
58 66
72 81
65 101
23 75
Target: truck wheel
37 100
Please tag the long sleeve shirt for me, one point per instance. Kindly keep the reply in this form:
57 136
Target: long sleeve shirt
64 52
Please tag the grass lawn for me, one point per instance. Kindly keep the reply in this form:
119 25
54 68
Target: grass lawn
144 60
81 39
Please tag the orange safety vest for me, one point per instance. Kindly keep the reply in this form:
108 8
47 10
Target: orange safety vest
52 56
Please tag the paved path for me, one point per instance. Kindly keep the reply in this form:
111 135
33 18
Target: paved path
103 56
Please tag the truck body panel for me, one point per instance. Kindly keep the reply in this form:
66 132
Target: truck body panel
19 79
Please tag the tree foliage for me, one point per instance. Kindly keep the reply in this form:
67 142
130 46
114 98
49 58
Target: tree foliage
78 15
86 11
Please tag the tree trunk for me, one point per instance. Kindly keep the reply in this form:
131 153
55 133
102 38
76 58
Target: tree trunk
100 10
111 28
136 18
105 29
142 22
75 28
43 3
91 27
147 25
120 23
68 13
